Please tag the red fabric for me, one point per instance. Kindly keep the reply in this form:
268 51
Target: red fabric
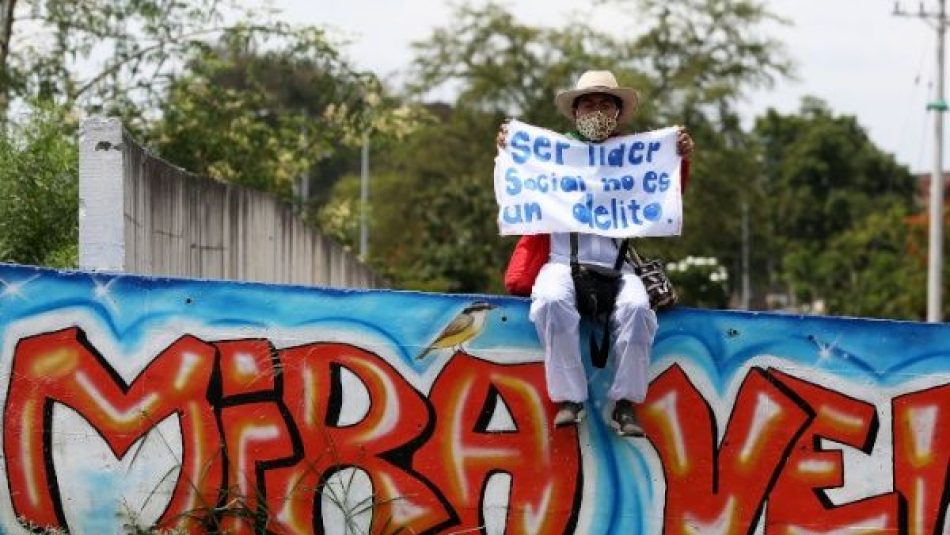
531 252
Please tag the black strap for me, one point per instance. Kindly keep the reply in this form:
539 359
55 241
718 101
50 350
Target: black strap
621 254
598 355
574 251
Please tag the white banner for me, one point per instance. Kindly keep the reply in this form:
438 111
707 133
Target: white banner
623 187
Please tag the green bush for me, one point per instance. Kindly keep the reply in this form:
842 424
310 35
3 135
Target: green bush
39 190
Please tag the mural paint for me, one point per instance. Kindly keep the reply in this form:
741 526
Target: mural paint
248 408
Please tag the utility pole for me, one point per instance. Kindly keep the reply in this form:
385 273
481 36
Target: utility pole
938 21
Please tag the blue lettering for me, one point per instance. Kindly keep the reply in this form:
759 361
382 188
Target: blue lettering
634 209
628 182
611 184
649 182
542 183
539 144
514 183
635 157
615 157
602 211
582 213
664 182
569 183
512 216
653 211
532 211
518 213
655 146
559 151
520 137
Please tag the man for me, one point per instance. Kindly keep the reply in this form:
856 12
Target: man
598 107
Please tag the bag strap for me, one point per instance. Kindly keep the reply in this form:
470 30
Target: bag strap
635 257
574 250
621 253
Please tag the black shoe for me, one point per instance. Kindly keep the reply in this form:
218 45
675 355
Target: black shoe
569 413
625 420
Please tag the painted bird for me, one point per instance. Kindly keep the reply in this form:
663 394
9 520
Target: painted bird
467 325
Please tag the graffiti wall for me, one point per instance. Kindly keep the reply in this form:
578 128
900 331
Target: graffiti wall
221 407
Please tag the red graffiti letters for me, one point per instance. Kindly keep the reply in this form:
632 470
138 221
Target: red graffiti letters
921 427
798 503
543 462
311 393
61 367
264 434
710 491
263 431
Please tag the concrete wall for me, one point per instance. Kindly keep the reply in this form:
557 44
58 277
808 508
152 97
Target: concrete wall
140 214
248 407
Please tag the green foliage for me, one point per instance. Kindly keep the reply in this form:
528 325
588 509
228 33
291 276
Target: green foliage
125 48
868 270
505 67
827 172
267 104
700 281
701 52
39 197
826 185
432 212
258 102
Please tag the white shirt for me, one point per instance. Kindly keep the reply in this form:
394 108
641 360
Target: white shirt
591 249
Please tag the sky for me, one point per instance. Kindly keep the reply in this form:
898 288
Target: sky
854 54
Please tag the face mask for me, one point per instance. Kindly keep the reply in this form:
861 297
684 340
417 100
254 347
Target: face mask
596 125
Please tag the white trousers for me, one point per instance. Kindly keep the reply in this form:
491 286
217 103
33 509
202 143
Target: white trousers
555 316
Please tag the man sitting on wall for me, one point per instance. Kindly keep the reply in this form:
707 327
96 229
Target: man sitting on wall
598 106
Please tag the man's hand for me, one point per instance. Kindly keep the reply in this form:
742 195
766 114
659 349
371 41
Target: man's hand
684 143
502 136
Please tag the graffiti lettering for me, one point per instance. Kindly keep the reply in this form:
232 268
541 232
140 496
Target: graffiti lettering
710 491
380 443
61 367
921 427
263 431
543 462
798 503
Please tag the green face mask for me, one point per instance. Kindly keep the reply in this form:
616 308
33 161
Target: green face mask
596 125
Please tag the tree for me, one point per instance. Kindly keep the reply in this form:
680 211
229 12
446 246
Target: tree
433 216
824 181
504 67
43 43
199 89
39 190
870 269
265 113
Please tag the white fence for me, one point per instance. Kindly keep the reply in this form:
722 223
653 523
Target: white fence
140 214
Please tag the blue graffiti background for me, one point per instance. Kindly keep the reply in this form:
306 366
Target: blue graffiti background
720 343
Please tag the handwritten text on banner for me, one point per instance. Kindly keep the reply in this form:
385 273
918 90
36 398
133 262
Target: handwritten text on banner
624 186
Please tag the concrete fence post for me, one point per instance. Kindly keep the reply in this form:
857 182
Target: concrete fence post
101 195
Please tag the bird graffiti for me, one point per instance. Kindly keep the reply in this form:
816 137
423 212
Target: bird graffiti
463 328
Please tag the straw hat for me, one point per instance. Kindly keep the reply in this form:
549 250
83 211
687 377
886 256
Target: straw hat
598 82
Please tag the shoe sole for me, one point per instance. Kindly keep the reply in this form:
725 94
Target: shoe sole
577 419
635 434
